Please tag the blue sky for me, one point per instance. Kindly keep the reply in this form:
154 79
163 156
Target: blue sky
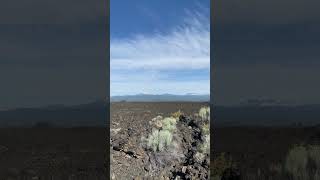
160 46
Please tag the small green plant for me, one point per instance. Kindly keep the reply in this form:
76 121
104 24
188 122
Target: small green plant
204 113
162 134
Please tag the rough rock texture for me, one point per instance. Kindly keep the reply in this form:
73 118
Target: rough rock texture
131 160
191 167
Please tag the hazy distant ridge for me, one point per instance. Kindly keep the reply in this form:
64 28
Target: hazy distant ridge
161 98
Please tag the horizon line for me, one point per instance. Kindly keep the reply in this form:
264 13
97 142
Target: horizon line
187 94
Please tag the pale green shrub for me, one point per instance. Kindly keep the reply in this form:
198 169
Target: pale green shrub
165 139
159 140
204 113
205 146
153 140
162 135
314 155
169 124
206 129
297 161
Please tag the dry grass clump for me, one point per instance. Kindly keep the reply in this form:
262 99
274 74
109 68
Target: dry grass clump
177 114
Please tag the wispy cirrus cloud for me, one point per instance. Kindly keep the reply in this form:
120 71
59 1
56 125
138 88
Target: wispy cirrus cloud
161 60
186 46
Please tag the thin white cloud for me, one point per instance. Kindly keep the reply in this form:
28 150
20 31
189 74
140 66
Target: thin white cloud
162 63
185 48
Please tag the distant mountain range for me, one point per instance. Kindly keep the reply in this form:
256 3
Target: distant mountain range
161 98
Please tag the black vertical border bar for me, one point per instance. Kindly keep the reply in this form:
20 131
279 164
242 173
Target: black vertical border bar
107 156
211 88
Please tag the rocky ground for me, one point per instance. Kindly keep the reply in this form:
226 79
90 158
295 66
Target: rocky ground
130 159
